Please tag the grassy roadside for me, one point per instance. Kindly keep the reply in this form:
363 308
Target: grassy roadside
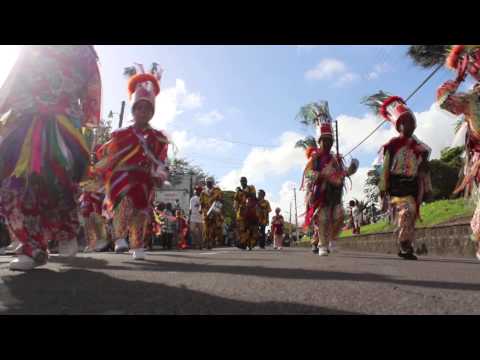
434 213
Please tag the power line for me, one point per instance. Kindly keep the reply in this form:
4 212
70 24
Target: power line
408 98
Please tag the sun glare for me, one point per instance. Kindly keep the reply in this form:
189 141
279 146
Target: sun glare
8 56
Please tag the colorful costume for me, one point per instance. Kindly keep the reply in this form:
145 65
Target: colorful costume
323 181
466 59
210 200
196 222
404 177
50 94
245 204
264 210
93 222
277 231
130 164
182 233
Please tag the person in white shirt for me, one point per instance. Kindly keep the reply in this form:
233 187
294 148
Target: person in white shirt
357 218
195 219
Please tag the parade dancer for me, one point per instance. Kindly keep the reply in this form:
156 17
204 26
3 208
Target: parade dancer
465 59
404 176
277 229
211 202
51 93
91 206
323 180
132 163
245 205
264 210
195 219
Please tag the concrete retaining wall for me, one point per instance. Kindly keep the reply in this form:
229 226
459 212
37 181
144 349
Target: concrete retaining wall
448 240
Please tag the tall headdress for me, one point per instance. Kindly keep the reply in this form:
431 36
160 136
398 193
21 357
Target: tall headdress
142 85
463 59
391 108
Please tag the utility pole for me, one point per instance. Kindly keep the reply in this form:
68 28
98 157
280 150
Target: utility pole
296 216
336 135
290 219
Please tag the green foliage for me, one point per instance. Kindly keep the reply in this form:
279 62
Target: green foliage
179 168
453 156
228 206
434 213
370 188
444 178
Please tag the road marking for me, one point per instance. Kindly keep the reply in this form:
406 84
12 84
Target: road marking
214 252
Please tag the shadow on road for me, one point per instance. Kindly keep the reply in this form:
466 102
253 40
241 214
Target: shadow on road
420 259
271 272
78 291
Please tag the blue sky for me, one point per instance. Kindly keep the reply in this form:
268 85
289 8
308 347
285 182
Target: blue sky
251 94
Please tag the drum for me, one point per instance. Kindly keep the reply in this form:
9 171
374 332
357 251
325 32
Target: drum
216 208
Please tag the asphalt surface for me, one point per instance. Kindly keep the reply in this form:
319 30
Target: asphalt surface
232 281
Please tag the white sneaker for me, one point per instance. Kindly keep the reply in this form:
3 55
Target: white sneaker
68 248
138 254
322 251
23 263
13 246
121 245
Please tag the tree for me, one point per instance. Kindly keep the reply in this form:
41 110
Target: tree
371 189
445 172
229 212
179 168
453 156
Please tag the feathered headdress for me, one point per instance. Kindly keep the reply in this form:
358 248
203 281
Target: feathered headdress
462 58
465 58
142 85
309 144
391 108
317 114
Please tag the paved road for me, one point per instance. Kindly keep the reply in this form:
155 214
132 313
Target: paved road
231 281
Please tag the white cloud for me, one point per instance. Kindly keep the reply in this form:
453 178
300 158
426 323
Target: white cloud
172 102
185 99
325 69
346 79
186 142
261 163
165 108
328 68
436 127
283 200
209 118
377 70
355 189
